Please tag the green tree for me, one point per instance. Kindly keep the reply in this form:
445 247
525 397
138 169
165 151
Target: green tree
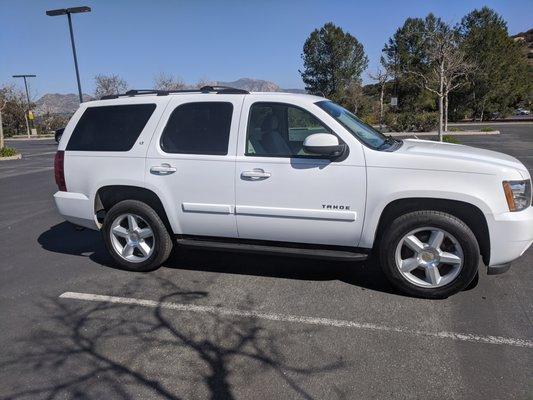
501 78
406 50
13 103
332 59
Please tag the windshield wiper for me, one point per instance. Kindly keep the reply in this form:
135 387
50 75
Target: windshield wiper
389 141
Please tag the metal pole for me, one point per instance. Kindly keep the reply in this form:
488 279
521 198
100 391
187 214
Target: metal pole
28 109
27 92
75 58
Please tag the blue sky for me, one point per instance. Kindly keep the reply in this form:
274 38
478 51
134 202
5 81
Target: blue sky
218 40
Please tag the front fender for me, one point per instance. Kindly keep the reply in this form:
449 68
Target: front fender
388 185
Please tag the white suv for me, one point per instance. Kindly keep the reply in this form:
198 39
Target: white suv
291 174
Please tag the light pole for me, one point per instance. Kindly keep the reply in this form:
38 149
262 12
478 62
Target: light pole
24 76
67 12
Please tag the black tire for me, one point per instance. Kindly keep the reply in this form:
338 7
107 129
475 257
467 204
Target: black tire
162 245
404 224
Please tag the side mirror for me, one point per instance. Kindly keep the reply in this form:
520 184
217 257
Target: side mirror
324 144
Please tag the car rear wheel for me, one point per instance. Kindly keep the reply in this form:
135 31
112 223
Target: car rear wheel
135 236
429 254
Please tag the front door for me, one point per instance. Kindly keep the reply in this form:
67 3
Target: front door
284 194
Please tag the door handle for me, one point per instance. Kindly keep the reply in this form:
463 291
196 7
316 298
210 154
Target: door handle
163 169
256 174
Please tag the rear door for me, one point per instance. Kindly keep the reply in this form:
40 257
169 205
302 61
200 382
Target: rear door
284 194
191 163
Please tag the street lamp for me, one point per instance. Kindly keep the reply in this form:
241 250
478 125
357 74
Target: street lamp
67 12
24 76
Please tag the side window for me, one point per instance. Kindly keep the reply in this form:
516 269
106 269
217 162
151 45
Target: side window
198 128
279 130
110 128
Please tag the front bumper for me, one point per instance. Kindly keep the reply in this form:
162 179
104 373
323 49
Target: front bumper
511 234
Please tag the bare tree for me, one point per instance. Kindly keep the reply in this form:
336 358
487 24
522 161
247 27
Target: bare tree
108 85
456 73
163 81
205 82
381 77
354 96
52 121
445 65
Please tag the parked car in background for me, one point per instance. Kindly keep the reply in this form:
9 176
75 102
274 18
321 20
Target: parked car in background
58 134
290 174
522 111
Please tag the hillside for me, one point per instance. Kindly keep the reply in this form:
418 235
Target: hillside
527 39
56 103
252 85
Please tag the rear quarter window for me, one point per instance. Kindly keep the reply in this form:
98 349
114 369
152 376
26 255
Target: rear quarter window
110 128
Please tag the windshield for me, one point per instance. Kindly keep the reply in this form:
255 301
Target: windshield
365 133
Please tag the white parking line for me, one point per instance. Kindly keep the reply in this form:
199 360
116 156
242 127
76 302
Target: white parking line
39 154
31 171
465 337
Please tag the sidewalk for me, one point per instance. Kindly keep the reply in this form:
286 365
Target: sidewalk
25 137
449 133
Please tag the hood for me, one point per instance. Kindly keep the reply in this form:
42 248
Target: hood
457 152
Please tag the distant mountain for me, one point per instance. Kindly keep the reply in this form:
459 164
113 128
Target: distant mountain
527 39
258 85
56 103
252 85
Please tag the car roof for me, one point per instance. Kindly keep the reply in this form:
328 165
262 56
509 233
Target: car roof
155 98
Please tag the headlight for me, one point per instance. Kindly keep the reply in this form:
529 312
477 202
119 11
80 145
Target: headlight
518 194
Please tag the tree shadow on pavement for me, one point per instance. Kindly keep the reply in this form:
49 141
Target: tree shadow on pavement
104 350
63 238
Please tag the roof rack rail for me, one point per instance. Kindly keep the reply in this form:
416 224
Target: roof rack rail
223 90
203 89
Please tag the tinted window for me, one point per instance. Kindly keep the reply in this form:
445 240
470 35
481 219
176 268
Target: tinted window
279 130
110 128
198 128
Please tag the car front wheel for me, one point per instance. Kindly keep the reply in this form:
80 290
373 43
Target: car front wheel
429 254
135 236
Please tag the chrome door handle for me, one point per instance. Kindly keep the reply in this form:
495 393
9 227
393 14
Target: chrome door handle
163 169
256 174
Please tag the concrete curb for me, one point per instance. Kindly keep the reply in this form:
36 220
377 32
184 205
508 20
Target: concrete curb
493 123
449 133
15 157
28 139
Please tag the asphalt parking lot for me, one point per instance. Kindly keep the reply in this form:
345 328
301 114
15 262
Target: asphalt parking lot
240 326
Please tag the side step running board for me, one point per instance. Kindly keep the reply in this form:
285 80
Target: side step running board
341 255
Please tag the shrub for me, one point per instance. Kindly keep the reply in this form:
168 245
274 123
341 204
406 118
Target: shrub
454 129
486 129
370 120
412 122
450 139
8 152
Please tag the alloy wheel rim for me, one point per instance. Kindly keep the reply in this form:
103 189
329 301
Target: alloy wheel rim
429 257
132 238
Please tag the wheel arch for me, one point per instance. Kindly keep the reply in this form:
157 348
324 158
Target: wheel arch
470 214
107 196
